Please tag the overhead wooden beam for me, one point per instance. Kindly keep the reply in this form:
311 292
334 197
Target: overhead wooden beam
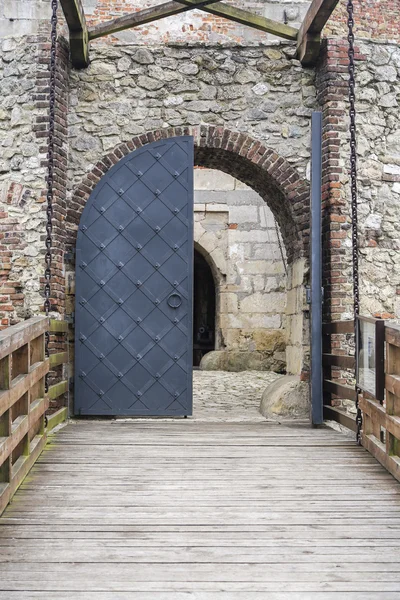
309 36
78 32
168 9
247 18
141 17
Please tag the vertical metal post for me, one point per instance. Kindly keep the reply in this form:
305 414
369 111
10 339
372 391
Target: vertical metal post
316 271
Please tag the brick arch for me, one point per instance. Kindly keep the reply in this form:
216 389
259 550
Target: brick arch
238 154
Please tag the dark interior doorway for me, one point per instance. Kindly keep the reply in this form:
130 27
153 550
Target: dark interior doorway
204 309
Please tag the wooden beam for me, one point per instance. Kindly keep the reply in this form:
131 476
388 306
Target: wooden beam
247 18
309 36
168 9
78 33
141 17
58 326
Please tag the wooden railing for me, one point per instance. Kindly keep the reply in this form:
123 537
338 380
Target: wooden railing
23 402
381 418
334 386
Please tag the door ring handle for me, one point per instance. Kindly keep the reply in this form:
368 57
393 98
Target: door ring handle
174 301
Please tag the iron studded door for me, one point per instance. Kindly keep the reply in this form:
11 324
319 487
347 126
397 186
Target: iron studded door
134 263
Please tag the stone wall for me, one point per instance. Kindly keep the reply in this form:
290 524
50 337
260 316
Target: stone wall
378 94
379 178
22 176
23 161
129 90
237 233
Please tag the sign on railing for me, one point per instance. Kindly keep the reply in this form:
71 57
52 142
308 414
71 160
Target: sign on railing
370 356
378 377
381 419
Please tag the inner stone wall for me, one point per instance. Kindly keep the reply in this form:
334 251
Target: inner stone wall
237 234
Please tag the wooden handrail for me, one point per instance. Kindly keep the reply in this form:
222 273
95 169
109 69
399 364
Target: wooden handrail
23 402
381 418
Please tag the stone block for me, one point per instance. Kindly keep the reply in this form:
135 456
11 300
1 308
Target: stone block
294 329
25 10
286 398
243 214
267 219
236 361
259 283
198 231
211 179
250 321
294 301
296 273
219 259
255 236
228 303
294 359
274 302
216 208
208 241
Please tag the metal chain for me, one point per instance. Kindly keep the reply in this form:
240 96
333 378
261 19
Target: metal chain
50 169
353 180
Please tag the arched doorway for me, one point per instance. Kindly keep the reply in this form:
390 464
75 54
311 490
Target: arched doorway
262 169
204 307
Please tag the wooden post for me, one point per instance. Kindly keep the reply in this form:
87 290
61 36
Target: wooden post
78 33
309 35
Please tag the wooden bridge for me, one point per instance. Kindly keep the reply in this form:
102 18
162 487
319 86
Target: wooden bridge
187 509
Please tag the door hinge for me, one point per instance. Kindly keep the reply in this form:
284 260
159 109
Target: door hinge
71 383
70 318
308 294
69 257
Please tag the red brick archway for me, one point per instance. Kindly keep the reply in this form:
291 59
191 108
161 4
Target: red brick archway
238 154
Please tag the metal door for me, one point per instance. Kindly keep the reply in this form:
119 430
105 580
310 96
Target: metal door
134 264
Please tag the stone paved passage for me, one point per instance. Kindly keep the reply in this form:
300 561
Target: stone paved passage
236 397
196 509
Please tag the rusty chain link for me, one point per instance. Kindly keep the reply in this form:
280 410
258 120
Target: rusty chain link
50 170
353 182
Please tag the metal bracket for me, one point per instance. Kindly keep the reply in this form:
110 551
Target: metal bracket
70 318
308 294
69 257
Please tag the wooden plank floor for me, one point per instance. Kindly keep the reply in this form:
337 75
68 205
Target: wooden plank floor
182 510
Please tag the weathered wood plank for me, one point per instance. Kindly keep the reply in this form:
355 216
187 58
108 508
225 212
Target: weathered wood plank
78 33
22 384
58 389
339 389
218 511
19 474
18 335
57 326
57 418
392 335
59 358
339 360
172 8
345 419
338 327
309 36
247 18
141 17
